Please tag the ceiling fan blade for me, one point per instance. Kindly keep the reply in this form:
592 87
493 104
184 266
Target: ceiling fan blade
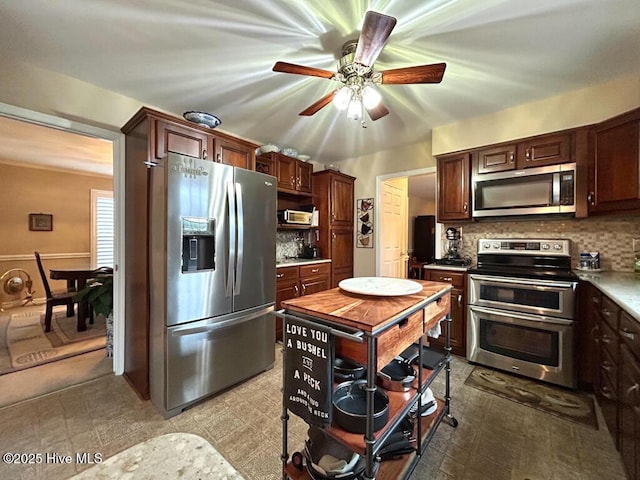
323 102
419 74
375 32
285 67
378 111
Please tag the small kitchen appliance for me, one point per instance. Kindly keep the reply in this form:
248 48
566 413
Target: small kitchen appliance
452 254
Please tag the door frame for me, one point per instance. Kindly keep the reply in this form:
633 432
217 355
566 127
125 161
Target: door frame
380 179
118 141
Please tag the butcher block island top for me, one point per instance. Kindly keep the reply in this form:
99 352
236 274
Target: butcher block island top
371 313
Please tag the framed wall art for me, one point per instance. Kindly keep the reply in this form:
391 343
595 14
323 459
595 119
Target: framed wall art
364 236
40 222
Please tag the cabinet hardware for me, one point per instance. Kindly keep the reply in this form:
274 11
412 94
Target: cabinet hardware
296 290
204 154
511 157
605 392
333 236
460 300
606 312
634 388
292 181
465 207
605 366
595 300
279 275
528 154
304 288
591 198
219 158
299 182
314 270
594 333
446 279
626 333
605 339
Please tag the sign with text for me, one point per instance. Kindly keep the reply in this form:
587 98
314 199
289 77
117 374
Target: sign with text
308 364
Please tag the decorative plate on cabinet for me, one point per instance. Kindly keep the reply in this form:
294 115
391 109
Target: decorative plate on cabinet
380 286
203 119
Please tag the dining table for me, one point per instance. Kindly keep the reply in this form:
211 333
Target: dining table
76 278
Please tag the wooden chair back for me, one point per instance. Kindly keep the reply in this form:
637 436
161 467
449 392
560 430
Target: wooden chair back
43 275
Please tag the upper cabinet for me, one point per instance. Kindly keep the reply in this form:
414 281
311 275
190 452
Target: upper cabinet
171 137
234 152
533 152
454 192
294 176
614 165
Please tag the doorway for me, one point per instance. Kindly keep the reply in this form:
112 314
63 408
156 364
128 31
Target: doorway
421 200
117 147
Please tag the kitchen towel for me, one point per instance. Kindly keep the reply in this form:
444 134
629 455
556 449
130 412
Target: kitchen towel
308 364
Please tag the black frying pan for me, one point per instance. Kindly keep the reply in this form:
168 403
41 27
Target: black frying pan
398 375
345 369
350 407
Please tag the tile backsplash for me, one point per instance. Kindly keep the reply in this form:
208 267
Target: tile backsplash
611 236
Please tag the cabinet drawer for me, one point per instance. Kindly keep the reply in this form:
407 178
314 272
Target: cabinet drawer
630 332
609 340
315 269
608 368
396 339
286 273
610 312
454 278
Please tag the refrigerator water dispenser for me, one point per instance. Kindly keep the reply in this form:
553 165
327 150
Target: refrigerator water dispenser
198 244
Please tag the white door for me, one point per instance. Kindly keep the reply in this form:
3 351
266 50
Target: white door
393 228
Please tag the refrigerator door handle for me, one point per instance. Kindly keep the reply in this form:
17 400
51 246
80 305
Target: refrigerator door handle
232 239
223 324
240 248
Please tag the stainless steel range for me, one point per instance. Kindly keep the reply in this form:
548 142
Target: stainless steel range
521 308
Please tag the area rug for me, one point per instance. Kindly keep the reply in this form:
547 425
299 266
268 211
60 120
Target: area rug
571 405
24 344
173 455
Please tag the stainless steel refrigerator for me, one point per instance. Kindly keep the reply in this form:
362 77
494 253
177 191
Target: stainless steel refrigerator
212 275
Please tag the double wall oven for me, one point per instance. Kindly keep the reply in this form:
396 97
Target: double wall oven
521 308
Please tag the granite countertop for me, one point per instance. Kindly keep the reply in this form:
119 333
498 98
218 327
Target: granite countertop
294 262
622 287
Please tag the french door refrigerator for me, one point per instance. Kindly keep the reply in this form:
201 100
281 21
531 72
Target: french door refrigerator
212 236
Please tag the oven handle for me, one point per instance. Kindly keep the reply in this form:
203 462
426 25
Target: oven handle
522 316
534 283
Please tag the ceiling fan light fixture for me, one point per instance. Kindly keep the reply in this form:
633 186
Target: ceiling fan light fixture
370 97
354 111
342 98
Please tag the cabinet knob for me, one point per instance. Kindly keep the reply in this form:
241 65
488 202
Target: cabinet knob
528 154
296 290
606 312
511 157
446 279
219 158
606 339
605 392
460 300
605 366
591 198
314 270
292 181
204 154
279 275
626 333
465 207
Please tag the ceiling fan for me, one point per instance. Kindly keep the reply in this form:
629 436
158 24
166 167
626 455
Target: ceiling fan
357 75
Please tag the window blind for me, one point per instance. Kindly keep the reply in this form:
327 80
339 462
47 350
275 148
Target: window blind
104 230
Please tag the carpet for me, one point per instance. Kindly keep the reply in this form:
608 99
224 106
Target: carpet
571 405
24 344
173 455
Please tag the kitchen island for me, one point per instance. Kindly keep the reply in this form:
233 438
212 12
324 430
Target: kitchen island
373 330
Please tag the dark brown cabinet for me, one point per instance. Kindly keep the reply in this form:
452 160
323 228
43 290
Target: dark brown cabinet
588 336
234 153
294 176
454 192
458 310
630 411
171 137
496 159
334 199
295 281
614 167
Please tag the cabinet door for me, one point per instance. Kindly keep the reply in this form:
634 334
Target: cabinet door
454 187
587 335
545 150
266 165
183 140
342 206
234 153
614 173
458 308
630 412
304 170
285 290
496 159
311 285
287 173
341 255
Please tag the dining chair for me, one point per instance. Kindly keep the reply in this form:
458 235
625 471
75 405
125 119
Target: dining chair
54 298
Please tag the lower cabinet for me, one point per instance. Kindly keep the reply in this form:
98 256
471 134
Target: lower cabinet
296 281
458 310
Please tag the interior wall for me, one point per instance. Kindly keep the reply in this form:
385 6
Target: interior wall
67 196
573 109
366 169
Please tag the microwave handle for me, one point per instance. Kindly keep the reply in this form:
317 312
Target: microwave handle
556 189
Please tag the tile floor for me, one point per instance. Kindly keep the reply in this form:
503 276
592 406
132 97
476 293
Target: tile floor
496 438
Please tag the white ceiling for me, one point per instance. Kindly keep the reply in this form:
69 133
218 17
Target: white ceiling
217 55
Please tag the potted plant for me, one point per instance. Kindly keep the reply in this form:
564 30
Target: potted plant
98 293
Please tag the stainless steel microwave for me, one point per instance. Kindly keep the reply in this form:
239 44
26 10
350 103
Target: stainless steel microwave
532 191
295 217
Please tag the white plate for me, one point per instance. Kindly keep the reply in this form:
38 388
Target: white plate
380 286
304 158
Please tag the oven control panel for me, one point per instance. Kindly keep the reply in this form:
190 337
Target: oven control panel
526 246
